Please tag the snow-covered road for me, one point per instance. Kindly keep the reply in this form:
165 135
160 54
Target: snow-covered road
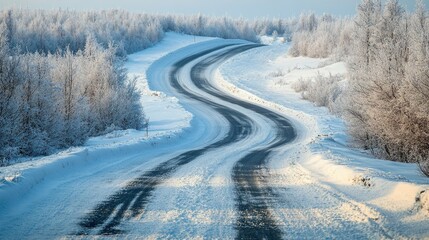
246 126
252 164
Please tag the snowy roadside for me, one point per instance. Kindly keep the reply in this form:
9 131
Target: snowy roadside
265 76
167 121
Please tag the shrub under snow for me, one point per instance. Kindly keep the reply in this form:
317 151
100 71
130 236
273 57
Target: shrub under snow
322 90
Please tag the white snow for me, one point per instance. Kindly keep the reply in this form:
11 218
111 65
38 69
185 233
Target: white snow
324 188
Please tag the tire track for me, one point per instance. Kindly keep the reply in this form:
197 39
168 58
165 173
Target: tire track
253 195
132 199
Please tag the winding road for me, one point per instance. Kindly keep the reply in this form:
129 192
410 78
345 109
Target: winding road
252 195
240 170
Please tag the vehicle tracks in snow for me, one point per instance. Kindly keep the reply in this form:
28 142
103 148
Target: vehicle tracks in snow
255 195
252 196
131 200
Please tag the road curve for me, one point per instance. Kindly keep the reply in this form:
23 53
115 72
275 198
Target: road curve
253 195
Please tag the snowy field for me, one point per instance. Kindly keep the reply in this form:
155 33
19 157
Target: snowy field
327 189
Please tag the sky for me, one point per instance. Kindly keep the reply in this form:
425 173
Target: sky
234 8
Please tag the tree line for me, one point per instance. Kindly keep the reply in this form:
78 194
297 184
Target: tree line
49 30
387 103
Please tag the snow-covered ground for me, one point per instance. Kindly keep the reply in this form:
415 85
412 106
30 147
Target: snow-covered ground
53 187
322 169
325 188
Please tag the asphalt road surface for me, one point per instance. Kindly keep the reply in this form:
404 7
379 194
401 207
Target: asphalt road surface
253 196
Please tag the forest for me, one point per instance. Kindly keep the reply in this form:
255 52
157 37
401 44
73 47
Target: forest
385 101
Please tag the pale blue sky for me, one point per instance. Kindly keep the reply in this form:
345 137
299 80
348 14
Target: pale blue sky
233 8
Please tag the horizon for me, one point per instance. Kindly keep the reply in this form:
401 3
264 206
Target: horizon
252 9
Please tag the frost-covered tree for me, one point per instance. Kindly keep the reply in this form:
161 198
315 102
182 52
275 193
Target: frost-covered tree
361 63
415 90
58 100
9 83
72 103
328 37
377 74
107 93
387 100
